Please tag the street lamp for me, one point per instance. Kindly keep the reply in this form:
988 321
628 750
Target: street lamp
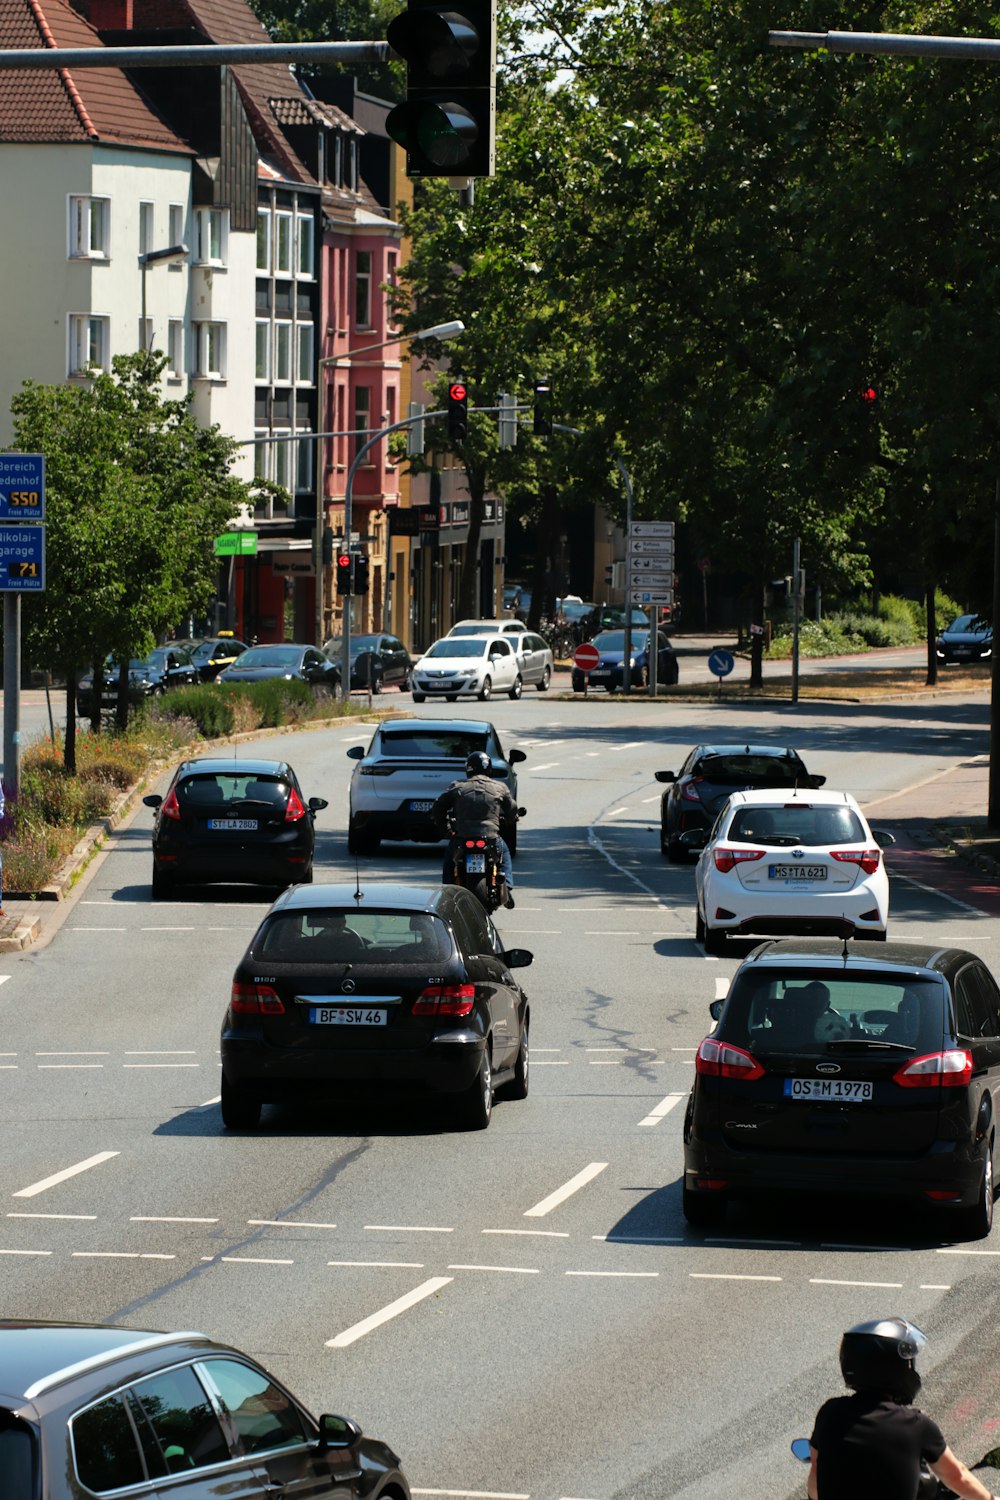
148 258
436 331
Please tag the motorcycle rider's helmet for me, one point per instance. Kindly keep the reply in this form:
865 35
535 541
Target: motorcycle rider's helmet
478 764
881 1356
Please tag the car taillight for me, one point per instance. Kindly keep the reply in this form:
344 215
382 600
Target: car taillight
690 789
868 859
255 1000
294 810
726 858
445 1000
723 1060
936 1070
171 808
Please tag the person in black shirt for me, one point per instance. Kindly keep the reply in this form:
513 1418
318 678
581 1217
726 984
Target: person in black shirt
476 807
871 1445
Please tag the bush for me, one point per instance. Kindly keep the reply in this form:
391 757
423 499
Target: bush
219 710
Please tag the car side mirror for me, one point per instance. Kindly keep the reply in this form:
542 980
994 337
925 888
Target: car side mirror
883 837
317 804
694 838
515 757
715 1009
154 800
356 752
667 776
337 1432
519 958
815 782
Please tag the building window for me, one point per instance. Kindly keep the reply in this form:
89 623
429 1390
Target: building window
262 369
362 416
283 244
342 302
303 461
263 239
145 227
175 227
304 231
363 289
209 350
175 349
89 227
209 237
283 461
305 370
283 353
390 413
88 343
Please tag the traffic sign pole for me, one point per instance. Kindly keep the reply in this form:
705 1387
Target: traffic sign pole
22 570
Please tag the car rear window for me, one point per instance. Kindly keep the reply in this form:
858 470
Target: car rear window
772 1012
434 744
746 770
796 824
349 936
224 790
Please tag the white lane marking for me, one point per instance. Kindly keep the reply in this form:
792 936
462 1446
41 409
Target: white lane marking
64 1175
400 1265
70 1054
8 1067
116 1255
472 1494
391 1310
663 1108
513 1270
290 1224
540 931
632 745
728 1239
547 1062
165 929
889 1286
112 903
650 799
251 1260
548 1234
163 1052
549 765
52 1216
887 1248
592 754
639 1239
684 1049
614 812
216 1099
956 1250
411 1228
25 1252
605 1062
67 1067
534 1051
608 932
720 1276
4 978
641 1275
97 929
721 986
161 1065
621 1051
566 1191
930 1286
167 1219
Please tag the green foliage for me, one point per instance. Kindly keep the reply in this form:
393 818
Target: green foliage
217 710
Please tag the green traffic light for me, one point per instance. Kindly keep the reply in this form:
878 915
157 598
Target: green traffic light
443 134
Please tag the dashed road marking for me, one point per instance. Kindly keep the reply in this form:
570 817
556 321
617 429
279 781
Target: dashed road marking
391 1310
633 1275
512 1270
661 1110
889 1286
412 1228
65 1174
566 1191
728 1276
288 1224
385 1265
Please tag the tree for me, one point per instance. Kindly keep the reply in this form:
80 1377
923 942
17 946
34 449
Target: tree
136 493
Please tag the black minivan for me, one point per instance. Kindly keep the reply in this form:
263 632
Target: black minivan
869 1069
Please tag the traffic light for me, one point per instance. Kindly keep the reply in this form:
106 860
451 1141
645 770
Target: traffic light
360 573
344 561
869 401
458 411
447 124
609 575
543 409
327 552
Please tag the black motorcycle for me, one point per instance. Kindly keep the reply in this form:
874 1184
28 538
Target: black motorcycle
478 865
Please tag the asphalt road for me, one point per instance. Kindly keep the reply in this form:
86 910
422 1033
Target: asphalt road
522 1312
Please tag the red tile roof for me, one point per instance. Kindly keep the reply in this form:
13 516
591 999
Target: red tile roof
60 105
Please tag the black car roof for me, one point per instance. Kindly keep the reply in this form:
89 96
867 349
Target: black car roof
35 1356
875 957
234 765
373 894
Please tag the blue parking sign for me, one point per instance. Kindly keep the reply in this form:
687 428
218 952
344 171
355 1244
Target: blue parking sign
22 559
22 487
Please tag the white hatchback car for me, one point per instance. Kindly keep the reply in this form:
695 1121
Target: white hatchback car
488 627
795 862
458 665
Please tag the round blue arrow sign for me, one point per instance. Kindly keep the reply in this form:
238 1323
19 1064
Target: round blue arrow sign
721 663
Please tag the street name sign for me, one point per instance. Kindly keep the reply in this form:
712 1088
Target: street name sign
650 579
22 559
651 528
661 596
651 546
22 486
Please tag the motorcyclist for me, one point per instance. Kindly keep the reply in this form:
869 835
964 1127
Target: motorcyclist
477 806
870 1445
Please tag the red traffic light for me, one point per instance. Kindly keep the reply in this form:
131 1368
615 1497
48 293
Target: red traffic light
344 560
457 392
869 395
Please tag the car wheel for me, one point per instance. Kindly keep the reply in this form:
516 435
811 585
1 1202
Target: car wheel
404 686
240 1110
510 839
715 942
476 1106
486 691
675 852
451 697
873 937
546 679
518 687
702 1210
699 927
376 683
162 885
978 1220
518 1087
419 697
307 877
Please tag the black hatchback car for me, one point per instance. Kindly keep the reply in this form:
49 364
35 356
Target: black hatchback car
227 818
871 1070
148 677
89 1410
397 985
290 662
710 773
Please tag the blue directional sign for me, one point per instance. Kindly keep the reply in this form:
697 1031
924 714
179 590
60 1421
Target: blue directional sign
22 559
721 662
22 486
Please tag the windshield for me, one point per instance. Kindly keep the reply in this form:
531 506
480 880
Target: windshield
742 770
969 623
439 744
454 645
270 656
614 640
768 1011
352 936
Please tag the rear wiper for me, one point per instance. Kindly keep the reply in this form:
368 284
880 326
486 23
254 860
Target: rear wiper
782 839
868 1044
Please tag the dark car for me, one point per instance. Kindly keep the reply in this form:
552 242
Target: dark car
394 987
90 1410
291 662
609 672
969 638
408 764
148 676
710 774
226 818
873 1070
215 653
379 660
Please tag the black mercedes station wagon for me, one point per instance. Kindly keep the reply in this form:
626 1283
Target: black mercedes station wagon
88 1410
872 1069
